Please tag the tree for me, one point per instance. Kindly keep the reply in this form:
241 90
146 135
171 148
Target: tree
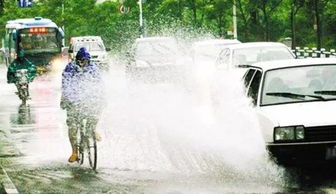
319 6
267 8
2 6
295 5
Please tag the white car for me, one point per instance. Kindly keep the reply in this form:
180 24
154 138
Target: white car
295 102
95 46
252 52
208 50
156 58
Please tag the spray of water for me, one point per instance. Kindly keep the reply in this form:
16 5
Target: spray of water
201 125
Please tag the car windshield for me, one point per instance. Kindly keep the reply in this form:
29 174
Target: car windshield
298 84
209 51
90 46
248 56
156 49
38 43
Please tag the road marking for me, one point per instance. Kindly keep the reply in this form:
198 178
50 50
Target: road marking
6 182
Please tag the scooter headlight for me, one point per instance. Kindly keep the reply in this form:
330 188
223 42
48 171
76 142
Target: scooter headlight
20 72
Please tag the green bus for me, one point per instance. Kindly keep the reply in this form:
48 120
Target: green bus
40 39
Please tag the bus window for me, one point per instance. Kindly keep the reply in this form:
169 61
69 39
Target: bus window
32 43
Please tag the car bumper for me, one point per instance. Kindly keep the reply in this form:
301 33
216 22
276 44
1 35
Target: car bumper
305 153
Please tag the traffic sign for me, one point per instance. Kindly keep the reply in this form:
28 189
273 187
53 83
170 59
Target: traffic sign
25 3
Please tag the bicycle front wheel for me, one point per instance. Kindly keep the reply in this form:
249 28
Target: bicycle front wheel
92 151
80 147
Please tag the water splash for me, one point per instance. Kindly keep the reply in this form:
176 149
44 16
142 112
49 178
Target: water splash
201 126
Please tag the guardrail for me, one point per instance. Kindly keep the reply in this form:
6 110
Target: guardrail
314 53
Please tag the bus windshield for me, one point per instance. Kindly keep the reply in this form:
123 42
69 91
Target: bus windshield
38 43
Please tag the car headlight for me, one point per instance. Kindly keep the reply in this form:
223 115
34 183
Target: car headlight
289 133
299 132
284 133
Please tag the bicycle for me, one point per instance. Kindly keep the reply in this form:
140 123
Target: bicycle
86 142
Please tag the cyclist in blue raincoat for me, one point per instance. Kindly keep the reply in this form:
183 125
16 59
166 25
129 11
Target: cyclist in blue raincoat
82 95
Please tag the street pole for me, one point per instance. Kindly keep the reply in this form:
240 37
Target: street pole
235 34
140 19
63 41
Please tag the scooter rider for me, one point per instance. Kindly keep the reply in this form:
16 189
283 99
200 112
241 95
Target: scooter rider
21 62
82 95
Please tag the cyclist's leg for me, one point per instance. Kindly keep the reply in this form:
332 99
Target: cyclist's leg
92 123
72 132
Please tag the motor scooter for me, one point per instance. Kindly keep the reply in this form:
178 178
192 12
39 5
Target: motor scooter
22 85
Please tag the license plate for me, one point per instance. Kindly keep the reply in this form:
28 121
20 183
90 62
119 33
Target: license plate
331 153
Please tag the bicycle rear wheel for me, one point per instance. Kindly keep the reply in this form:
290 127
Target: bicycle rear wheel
92 151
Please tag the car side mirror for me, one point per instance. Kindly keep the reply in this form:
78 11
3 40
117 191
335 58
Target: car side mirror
108 49
14 35
61 32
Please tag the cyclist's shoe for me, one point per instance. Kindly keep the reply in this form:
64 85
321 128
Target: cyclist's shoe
73 158
97 136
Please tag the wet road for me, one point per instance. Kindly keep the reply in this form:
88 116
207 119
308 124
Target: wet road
38 133
146 155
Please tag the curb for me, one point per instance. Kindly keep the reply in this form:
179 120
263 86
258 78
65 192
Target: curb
6 183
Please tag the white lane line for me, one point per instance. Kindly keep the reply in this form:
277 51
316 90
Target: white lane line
6 182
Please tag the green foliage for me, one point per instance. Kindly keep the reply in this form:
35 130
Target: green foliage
258 20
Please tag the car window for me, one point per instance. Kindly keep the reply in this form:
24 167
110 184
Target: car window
156 48
248 76
210 51
223 59
91 46
298 84
248 56
157 52
254 86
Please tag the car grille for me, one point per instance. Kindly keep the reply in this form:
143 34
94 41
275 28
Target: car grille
320 133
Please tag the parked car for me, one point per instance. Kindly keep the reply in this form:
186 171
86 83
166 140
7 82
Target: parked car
208 50
295 102
156 59
252 52
94 44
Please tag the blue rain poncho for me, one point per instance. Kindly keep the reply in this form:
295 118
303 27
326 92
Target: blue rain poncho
82 88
